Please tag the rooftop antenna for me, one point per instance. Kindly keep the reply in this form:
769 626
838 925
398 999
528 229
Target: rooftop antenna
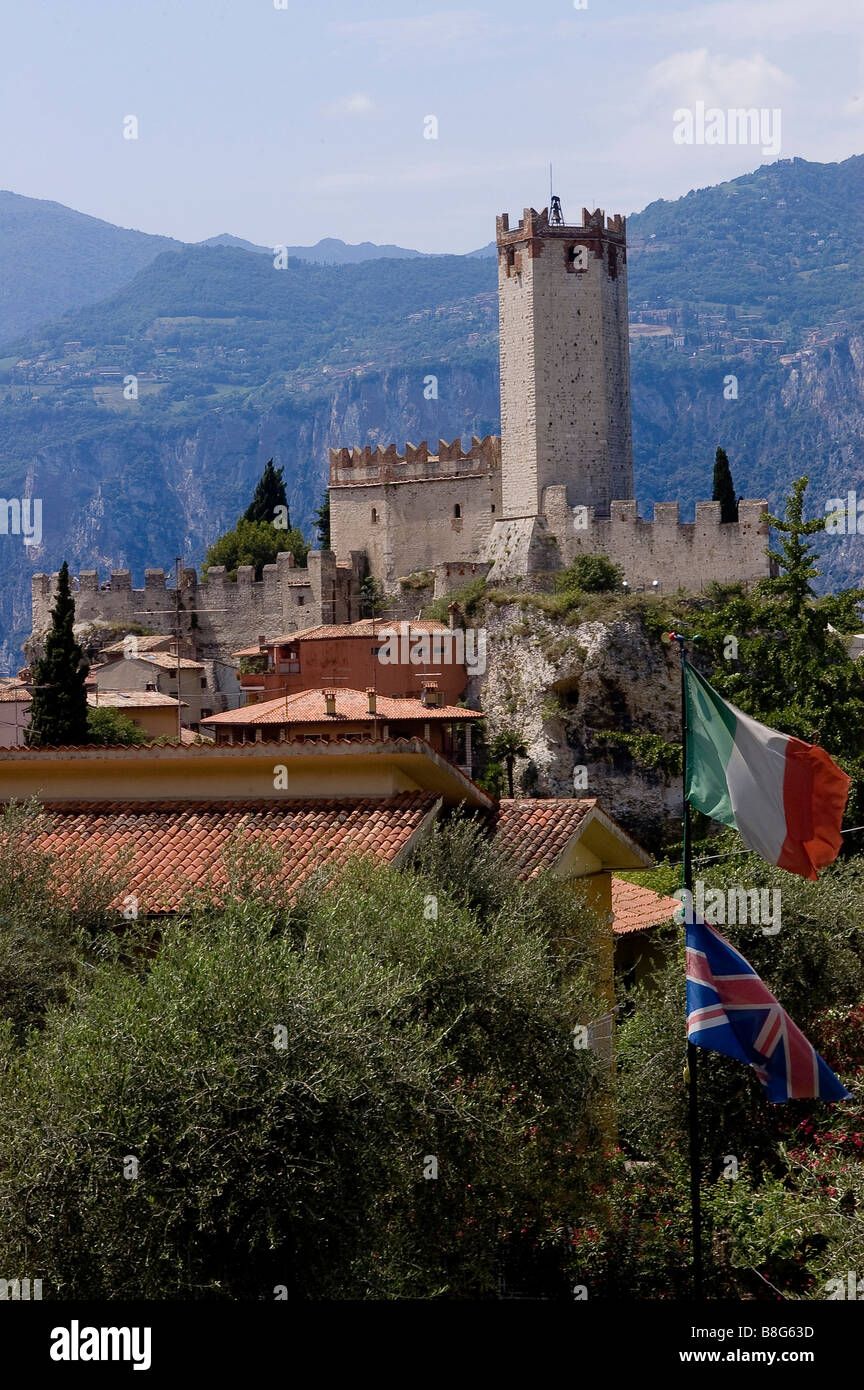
556 216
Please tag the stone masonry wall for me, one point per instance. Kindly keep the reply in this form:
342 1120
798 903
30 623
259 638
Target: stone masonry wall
413 511
676 554
219 615
565 368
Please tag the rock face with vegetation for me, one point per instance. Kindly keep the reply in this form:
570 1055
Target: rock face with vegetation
565 686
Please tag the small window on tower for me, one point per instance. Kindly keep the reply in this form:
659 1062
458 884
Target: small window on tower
493 506
374 515
457 510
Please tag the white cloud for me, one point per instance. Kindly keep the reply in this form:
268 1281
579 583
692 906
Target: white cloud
354 104
699 75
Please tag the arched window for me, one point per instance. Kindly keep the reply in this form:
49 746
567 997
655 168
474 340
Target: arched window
457 510
374 515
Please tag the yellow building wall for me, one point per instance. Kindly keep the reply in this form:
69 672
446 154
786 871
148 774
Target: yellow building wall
147 776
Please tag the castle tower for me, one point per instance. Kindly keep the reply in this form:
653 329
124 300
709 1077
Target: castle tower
565 362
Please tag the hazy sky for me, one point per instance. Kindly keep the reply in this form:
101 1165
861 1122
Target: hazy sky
284 125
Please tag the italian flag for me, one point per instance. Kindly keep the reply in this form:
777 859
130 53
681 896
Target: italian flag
785 798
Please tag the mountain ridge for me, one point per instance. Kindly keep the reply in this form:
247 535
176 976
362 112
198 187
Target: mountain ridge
237 362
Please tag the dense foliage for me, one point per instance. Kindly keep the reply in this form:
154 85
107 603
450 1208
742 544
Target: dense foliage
370 1093
58 710
106 725
724 488
269 498
590 574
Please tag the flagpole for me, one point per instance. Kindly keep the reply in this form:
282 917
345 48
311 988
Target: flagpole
692 1050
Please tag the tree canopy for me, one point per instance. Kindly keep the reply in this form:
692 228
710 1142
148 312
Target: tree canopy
58 711
269 497
724 488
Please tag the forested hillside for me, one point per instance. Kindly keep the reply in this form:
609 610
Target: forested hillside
235 361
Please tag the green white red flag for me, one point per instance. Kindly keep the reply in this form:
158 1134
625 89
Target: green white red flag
786 798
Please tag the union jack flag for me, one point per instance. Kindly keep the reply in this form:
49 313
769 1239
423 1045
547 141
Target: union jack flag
730 1010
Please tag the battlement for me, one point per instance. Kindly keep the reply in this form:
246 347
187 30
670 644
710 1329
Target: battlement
351 467
666 552
535 228
219 614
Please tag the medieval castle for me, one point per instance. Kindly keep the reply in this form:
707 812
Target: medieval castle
557 483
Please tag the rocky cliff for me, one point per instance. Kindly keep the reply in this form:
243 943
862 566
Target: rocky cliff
562 687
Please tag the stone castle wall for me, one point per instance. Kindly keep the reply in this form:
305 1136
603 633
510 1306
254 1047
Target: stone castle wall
218 615
686 555
411 511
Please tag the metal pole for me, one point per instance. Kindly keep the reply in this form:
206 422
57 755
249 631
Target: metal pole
692 1051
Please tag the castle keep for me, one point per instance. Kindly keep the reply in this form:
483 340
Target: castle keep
559 481
556 484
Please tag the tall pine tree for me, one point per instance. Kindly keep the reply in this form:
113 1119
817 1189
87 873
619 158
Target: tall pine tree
322 521
269 494
58 710
724 488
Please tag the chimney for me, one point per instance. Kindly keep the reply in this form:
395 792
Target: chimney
372 699
262 642
431 695
452 614
150 685
330 701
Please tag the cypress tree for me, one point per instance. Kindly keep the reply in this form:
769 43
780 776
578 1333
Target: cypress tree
724 488
322 521
269 494
58 710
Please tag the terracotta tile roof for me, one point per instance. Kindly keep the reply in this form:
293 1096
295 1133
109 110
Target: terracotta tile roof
12 694
190 739
169 662
635 908
536 831
132 699
164 660
366 627
308 706
174 846
144 643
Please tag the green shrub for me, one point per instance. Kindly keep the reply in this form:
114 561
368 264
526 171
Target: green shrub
590 574
409 1035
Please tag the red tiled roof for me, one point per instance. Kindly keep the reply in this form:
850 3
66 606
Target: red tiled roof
635 908
175 846
308 706
366 627
132 699
190 738
164 660
536 831
12 694
144 643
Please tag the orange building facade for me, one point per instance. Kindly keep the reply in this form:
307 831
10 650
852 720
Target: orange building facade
395 659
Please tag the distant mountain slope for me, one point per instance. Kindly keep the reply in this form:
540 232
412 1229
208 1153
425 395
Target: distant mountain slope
53 259
238 362
788 237
329 251
226 239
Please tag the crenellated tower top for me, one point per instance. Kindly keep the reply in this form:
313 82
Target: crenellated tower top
565 364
